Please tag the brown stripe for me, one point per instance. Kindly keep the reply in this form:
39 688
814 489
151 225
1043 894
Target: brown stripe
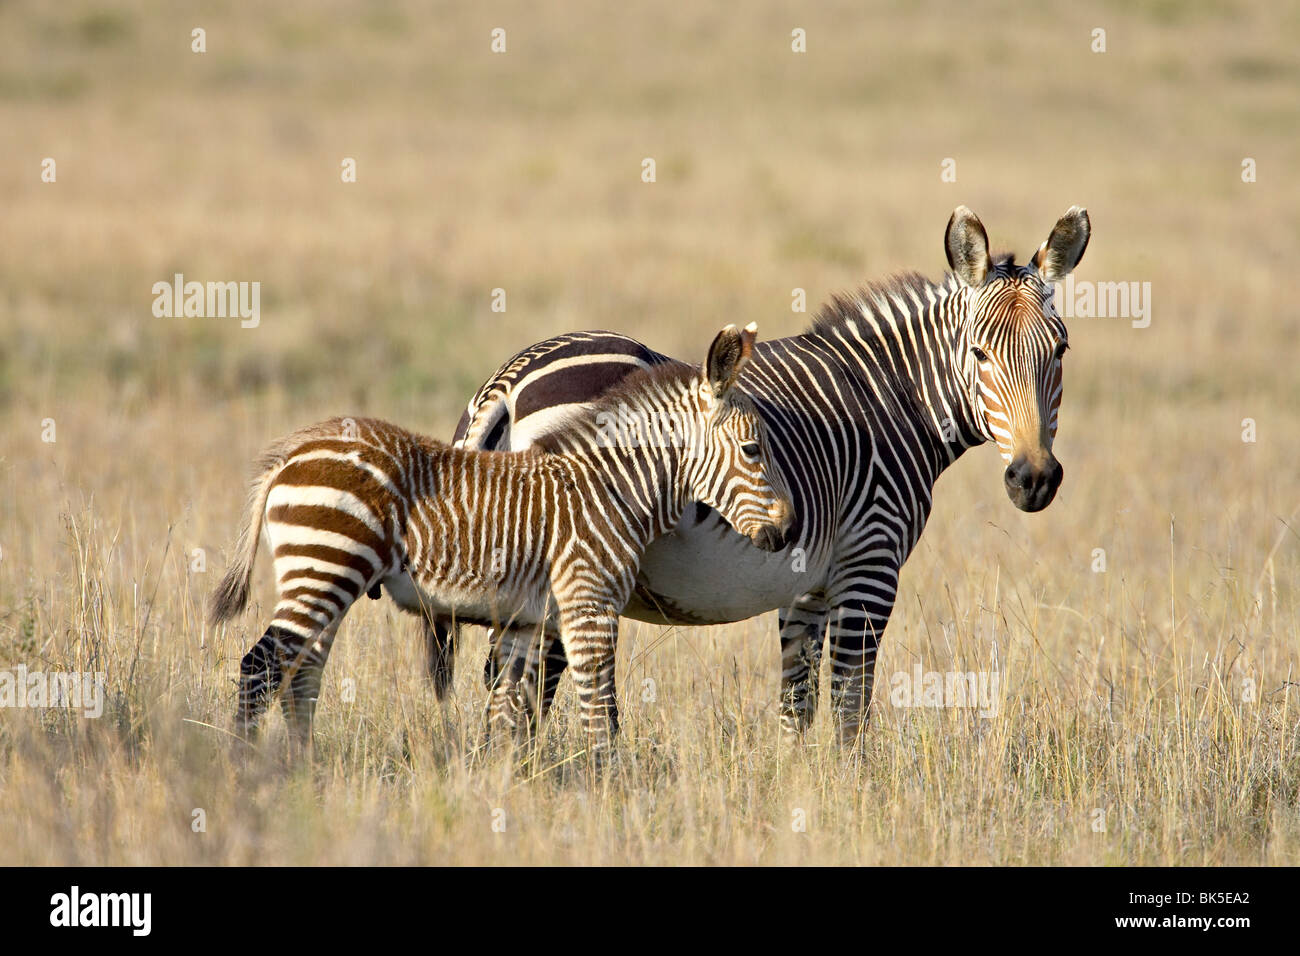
346 584
344 475
313 592
323 518
322 552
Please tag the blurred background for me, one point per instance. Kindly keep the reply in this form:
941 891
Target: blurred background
522 171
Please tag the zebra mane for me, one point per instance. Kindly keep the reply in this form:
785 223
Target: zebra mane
630 390
844 307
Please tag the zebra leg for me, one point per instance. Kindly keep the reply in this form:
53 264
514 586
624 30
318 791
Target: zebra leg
589 632
507 712
260 673
306 620
522 673
552 665
302 687
853 636
440 653
536 680
803 630
282 657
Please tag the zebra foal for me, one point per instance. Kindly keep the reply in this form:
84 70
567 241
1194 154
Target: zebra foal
551 537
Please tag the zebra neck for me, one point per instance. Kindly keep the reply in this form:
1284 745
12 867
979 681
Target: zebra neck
905 342
645 480
942 386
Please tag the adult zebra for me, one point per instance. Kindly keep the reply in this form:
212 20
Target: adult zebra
866 409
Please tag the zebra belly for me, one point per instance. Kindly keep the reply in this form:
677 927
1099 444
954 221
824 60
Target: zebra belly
468 606
708 574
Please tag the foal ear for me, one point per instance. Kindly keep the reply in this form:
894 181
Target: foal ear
967 245
1057 257
728 356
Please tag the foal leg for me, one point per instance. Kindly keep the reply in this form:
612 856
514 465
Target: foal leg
282 658
537 676
507 710
260 673
520 688
302 687
552 665
291 654
589 631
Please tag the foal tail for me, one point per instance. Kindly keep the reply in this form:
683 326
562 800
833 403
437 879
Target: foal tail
231 595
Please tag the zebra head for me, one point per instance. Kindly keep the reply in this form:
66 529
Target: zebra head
1010 345
734 474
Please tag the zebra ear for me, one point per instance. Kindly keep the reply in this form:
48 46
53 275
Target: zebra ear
1057 257
728 356
967 245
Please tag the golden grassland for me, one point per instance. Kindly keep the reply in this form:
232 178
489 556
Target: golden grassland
1148 713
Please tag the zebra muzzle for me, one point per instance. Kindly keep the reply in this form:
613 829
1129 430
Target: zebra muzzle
774 536
1032 488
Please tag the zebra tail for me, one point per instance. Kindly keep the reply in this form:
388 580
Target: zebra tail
480 419
231 595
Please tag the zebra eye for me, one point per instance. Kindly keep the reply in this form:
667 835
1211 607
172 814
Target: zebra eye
979 353
1061 348
750 448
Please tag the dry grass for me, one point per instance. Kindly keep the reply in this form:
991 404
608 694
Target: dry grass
1125 691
